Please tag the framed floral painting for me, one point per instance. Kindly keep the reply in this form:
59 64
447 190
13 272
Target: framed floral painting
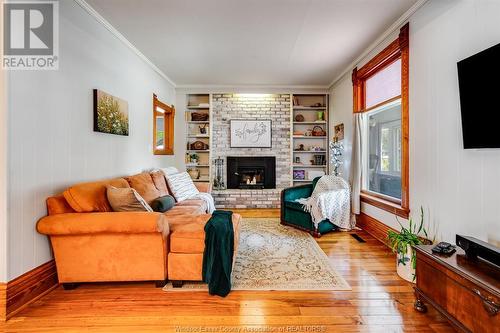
110 114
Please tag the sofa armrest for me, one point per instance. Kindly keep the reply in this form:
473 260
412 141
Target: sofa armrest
94 223
297 192
203 187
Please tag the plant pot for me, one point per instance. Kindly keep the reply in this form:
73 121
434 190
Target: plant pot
404 265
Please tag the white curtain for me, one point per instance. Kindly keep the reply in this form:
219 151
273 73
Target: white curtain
357 161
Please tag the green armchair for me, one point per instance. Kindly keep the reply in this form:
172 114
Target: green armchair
292 213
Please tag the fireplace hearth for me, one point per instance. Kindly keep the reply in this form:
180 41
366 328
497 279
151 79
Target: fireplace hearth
256 172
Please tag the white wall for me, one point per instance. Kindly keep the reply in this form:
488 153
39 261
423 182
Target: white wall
460 189
51 140
341 113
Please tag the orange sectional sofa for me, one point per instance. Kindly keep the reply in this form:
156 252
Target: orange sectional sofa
91 243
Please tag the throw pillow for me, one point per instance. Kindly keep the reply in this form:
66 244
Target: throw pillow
91 197
144 185
169 170
126 200
162 204
181 185
160 182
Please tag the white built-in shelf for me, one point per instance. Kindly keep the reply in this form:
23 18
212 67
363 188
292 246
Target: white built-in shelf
201 102
197 107
309 122
303 106
309 108
308 166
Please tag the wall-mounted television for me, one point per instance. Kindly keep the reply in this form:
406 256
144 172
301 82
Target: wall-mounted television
479 86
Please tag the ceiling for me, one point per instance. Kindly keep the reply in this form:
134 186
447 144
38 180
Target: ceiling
251 42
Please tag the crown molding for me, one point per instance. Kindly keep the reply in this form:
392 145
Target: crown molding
250 87
99 18
395 26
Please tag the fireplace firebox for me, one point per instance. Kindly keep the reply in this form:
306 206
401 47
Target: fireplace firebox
256 172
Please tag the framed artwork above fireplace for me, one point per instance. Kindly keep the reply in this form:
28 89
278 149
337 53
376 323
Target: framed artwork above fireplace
250 133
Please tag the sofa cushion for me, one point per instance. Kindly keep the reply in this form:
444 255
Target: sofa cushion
160 182
58 205
126 200
186 211
144 185
189 237
162 204
99 223
91 197
203 187
182 186
194 202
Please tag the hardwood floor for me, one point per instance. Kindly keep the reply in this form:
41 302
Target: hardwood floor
264 212
379 302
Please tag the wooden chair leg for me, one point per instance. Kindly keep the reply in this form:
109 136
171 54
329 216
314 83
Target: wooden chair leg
315 233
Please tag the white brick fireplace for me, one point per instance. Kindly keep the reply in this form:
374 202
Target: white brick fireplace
275 107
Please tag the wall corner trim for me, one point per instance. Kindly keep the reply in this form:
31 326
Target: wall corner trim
395 26
99 18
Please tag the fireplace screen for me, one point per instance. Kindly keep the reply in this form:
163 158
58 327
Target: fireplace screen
256 172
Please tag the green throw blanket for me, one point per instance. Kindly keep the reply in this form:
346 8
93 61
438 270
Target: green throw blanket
218 255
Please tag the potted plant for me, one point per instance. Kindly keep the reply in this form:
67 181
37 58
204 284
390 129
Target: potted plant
194 158
402 244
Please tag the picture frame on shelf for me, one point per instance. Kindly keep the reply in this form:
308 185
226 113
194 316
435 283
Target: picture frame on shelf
299 174
339 131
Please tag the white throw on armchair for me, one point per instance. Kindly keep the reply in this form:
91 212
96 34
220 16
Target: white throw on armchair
331 199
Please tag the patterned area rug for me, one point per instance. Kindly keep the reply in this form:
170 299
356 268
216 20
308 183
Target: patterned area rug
275 257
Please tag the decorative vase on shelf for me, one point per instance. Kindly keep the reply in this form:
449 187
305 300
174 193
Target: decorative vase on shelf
194 173
320 116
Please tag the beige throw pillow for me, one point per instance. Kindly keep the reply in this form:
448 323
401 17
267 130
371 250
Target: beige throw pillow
126 200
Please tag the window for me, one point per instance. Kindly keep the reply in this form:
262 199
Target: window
163 128
384 151
381 93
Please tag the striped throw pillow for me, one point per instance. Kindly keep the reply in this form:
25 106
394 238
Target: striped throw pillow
181 185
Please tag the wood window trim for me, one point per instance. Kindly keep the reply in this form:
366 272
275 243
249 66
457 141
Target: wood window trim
398 49
168 118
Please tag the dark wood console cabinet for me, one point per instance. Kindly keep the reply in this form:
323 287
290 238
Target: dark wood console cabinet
466 292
